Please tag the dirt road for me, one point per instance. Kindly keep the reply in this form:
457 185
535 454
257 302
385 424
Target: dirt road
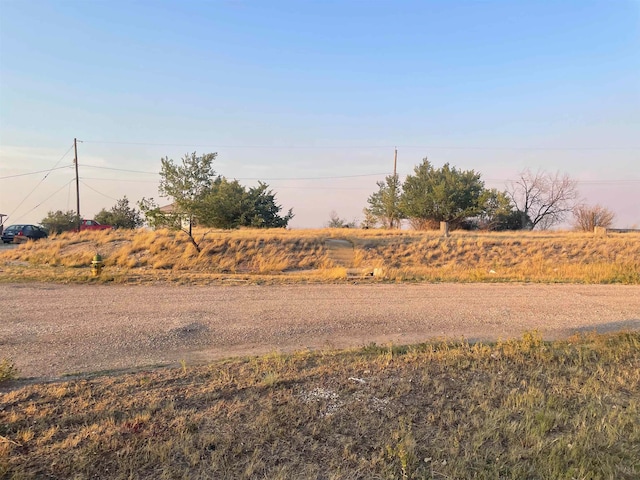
53 330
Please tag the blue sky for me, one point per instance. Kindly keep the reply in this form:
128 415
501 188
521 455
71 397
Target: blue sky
295 92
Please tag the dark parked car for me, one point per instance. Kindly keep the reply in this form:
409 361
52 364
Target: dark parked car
20 233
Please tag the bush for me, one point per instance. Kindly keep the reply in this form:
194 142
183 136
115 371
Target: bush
8 370
59 221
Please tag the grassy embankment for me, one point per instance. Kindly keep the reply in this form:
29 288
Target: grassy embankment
516 409
279 256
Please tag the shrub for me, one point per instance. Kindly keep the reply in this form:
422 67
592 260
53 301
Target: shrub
8 370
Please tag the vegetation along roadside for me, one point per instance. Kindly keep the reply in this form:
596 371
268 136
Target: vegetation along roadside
291 256
514 409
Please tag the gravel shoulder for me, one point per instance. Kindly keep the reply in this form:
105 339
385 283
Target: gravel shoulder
56 330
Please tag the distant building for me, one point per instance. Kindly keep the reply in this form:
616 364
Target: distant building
184 220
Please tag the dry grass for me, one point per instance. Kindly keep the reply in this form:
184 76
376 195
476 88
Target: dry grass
515 409
302 256
8 370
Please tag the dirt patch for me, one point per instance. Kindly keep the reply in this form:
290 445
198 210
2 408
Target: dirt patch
341 252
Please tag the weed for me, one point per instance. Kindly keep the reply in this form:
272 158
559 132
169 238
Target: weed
8 370
402 451
270 379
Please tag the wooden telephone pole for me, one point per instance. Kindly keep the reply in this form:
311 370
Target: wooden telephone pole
75 160
395 162
395 222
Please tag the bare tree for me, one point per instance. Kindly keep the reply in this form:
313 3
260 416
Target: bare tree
543 199
587 217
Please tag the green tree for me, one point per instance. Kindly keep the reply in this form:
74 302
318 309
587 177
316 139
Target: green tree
497 211
369 220
223 205
187 183
384 205
445 194
59 221
121 215
231 205
213 201
262 211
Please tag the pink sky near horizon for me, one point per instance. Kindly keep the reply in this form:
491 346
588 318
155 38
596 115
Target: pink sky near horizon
312 198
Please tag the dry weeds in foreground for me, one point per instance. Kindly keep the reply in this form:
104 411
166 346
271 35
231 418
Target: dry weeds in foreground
515 409
289 256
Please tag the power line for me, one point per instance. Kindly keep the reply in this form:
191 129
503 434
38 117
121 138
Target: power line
65 185
612 181
118 180
119 169
586 182
607 182
43 179
491 180
320 147
212 145
99 193
280 187
35 173
315 178
442 147
248 178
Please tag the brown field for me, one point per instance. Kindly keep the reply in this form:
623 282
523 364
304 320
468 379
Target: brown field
514 409
290 256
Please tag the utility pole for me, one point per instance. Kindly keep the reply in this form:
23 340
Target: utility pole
75 160
395 161
395 222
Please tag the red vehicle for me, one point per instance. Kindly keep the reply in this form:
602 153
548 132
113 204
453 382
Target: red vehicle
93 225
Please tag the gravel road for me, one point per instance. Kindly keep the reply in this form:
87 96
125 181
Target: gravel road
54 330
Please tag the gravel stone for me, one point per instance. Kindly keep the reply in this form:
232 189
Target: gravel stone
53 330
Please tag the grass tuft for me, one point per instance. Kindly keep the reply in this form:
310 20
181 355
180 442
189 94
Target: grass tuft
8 370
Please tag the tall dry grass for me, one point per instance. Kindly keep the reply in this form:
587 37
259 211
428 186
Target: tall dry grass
302 255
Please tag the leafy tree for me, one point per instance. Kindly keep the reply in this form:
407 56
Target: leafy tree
587 217
446 194
121 215
262 211
223 205
59 221
497 212
187 183
231 205
369 220
213 201
543 199
384 205
336 222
